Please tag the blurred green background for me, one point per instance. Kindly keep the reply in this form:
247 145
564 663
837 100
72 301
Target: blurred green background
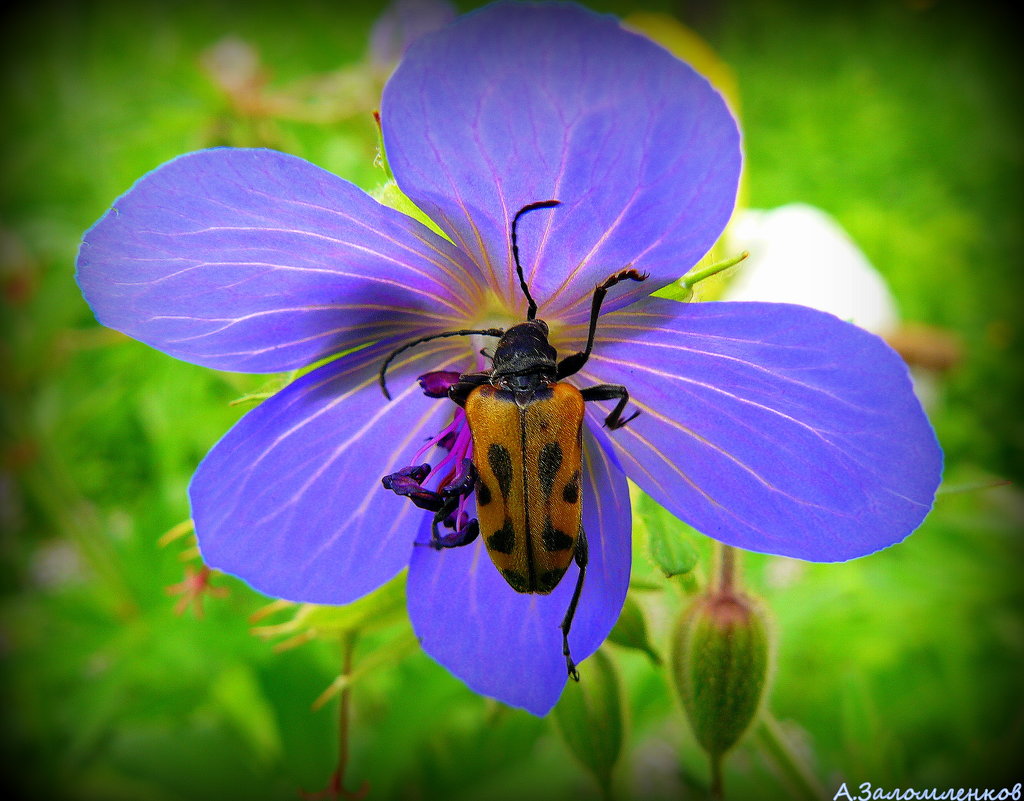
901 119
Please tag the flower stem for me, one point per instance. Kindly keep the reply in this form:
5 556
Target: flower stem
336 787
727 569
395 650
797 774
348 643
717 790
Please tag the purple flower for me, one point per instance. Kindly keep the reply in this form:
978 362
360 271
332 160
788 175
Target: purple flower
771 427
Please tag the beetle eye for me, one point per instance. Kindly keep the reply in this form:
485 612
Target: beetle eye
542 326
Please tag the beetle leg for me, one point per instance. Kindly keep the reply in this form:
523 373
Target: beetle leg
580 555
573 364
460 390
610 392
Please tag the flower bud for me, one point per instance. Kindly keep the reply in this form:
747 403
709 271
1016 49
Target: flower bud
719 663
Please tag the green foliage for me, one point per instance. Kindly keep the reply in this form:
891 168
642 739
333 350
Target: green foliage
589 717
682 290
902 668
631 630
670 542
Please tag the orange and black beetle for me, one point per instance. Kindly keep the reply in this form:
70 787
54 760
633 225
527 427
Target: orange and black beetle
527 429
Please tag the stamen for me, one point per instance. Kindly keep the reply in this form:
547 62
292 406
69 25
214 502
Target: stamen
437 383
452 478
448 440
450 430
460 513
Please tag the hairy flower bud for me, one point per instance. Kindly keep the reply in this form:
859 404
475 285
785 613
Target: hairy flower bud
719 663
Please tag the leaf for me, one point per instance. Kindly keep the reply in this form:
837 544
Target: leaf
589 717
631 631
668 539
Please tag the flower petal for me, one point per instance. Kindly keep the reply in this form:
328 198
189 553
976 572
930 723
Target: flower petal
290 500
772 427
402 22
507 645
518 103
256 261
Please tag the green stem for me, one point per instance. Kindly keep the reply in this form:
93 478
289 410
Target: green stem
795 771
694 277
348 643
975 486
717 790
727 569
381 153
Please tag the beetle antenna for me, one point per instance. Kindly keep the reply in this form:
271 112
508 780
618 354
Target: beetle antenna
531 312
464 332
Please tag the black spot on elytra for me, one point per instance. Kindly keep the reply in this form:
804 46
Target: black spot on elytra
548 462
500 461
504 539
553 539
571 493
483 494
516 580
549 579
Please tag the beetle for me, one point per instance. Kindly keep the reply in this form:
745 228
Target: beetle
526 424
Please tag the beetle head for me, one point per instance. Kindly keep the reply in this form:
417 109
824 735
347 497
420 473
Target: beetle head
524 352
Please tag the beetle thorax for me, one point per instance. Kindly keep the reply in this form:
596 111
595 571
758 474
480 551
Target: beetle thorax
523 357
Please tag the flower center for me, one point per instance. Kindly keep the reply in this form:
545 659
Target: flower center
444 488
